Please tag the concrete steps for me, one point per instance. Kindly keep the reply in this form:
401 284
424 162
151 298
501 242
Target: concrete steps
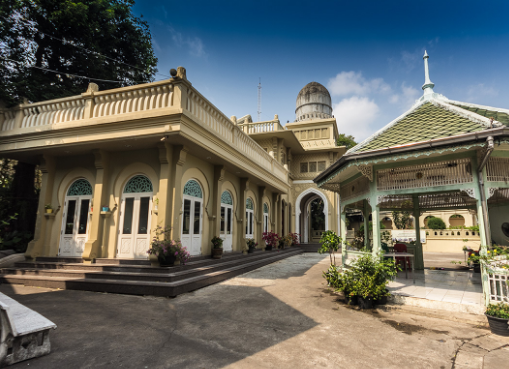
138 279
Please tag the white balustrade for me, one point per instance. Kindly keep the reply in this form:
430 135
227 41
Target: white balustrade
261 127
497 169
134 100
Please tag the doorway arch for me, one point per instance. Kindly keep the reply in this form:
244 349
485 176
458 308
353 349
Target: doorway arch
76 218
302 212
192 217
226 225
135 218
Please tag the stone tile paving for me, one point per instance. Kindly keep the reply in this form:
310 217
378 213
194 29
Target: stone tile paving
459 287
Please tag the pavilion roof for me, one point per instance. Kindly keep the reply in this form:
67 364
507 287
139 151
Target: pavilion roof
431 118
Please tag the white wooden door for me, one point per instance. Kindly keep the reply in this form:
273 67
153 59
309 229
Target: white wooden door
226 226
134 226
192 219
75 225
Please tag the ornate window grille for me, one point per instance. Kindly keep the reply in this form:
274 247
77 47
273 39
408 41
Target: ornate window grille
81 187
138 184
249 204
226 198
265 208
441 173
192 188
356 188
497 169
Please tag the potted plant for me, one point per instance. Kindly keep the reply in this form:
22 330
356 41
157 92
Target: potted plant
217 247
49 208
367 279
251 245
498 318
295 238
156 204
271 240
169 252
330 243
105 208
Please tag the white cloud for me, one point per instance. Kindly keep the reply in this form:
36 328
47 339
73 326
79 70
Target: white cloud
194 45
406 98
352 83
354 116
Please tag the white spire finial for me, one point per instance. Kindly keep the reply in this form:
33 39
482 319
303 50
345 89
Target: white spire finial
428 85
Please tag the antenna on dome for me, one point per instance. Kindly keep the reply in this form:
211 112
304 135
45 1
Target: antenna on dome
428 85
259 100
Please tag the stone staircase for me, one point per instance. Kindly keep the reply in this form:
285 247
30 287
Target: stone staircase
137 277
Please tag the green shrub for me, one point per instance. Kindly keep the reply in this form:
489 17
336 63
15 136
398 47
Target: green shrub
436 223
498 310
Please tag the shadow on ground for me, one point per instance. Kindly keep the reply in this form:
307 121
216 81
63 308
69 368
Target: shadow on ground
197 330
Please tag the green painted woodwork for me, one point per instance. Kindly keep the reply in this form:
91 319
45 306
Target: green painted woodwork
428 122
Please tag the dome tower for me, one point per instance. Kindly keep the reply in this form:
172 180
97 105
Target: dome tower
313 102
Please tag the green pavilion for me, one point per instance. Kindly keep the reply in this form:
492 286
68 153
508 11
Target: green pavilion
439 155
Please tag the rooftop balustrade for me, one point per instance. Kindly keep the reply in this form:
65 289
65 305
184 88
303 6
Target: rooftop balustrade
175 96
261 127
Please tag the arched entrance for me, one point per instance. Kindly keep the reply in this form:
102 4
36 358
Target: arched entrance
249 218
75 219
226 220
135 214
192 217
311 215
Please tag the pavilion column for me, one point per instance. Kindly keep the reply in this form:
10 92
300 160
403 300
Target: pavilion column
344 253
92 247
365 213
375 220
37 246
175 201
482 231
419 257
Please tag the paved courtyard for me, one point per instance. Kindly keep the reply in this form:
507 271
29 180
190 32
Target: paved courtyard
279 316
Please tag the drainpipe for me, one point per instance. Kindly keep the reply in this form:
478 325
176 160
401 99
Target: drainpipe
484 203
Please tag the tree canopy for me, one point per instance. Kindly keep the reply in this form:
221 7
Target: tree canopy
344 140
99 39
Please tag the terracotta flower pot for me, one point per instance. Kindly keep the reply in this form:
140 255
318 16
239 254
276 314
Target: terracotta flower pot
49 211
217 253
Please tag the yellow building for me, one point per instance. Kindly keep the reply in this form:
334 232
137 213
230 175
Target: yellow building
117 164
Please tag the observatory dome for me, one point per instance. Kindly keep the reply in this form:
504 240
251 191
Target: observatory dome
313 102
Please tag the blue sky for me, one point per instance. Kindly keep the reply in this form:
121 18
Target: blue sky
367 53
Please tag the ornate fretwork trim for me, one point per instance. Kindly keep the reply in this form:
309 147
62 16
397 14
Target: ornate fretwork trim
492 191
366 170
369 201
470 192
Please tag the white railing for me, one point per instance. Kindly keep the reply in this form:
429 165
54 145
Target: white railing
497 282
260 127
497 169
52 112
131 101
442 173
9 120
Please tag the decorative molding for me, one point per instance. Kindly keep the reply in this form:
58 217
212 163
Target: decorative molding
303 181
368 200
182 156
380 199
492 191
366 170
470 192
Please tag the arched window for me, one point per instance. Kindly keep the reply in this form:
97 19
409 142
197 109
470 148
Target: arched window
81 187
265 217
226 198
192 188
226 224
249 218
138 184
